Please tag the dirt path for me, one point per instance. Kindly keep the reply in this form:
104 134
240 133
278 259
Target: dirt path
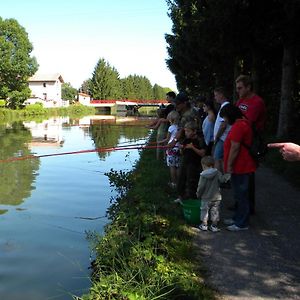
263 262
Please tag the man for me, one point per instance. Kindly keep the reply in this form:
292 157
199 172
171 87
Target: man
251 105
221 129
254 109
162 124
186 113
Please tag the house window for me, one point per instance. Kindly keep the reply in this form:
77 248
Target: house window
45 96
44 84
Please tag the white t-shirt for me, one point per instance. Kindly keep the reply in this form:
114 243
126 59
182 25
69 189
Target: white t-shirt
218 123
173 131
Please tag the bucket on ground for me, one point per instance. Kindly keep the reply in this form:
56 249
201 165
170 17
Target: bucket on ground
191 210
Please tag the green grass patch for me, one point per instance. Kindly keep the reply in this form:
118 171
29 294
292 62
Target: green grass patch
147 250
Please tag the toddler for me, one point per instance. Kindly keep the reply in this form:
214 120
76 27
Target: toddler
209 192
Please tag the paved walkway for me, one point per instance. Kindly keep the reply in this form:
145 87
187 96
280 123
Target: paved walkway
263 262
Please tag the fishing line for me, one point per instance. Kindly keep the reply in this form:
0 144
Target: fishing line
99 150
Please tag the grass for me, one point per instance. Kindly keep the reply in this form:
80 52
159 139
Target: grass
147 250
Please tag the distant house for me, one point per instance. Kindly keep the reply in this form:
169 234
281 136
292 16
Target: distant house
84 99
46 89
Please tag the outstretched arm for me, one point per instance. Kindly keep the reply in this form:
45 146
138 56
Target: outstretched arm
289 151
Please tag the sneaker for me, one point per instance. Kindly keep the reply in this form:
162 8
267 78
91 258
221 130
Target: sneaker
203 227
214 228
228 221
172 185
178 200
234 227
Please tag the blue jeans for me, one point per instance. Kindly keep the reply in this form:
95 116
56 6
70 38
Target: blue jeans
240 185
219 150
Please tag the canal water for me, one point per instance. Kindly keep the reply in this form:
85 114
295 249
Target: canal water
47 205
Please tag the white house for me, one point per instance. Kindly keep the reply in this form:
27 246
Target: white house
46 89
84 99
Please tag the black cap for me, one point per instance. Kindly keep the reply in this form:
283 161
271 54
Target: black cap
181 98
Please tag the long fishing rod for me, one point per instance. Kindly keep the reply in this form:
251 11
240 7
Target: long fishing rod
104 149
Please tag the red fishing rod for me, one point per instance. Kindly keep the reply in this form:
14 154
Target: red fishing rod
103 149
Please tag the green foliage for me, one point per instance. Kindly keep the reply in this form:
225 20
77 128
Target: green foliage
105 82
212 42
2 103
16 65
137 87
147 251
68 92
86 87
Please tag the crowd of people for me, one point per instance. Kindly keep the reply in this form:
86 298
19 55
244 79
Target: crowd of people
207 144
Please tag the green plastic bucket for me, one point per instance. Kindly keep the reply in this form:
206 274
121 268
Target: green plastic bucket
191 210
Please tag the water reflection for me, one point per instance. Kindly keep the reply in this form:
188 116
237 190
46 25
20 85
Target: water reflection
16 177
43 250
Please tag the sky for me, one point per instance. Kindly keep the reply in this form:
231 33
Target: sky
70 36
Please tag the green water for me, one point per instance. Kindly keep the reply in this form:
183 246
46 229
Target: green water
48 204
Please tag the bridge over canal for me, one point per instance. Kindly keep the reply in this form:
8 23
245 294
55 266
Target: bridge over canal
126 105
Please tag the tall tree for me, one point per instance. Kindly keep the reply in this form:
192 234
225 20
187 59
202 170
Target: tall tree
105 82
291 39
16 64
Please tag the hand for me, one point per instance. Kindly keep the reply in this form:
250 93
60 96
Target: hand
189 146
289 151
229 169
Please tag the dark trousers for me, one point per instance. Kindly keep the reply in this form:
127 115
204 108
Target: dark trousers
252 193
240 184
188 180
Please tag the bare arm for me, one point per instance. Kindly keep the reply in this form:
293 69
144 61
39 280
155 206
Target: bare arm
233 153
221 130
165 140
289 151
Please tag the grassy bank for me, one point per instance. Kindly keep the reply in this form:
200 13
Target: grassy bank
147 250
36 110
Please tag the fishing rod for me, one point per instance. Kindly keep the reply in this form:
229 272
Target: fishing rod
99 150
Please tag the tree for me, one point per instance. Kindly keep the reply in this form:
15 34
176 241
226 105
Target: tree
158 92
86 87
68 92
105 82
212 42
16 65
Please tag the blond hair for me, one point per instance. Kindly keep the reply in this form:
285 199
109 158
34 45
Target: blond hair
173 117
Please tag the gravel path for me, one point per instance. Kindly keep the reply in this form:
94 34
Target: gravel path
263 262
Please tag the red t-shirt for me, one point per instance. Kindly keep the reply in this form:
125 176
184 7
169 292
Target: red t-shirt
254 109
240 132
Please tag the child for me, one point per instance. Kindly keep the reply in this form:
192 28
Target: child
209 192
193 148
172 153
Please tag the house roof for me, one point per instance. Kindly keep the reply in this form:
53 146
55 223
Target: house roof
46 77
84 94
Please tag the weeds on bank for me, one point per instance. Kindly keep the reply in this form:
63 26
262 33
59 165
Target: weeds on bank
146 252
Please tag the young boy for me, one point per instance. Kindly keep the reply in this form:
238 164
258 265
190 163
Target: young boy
209 192
192 148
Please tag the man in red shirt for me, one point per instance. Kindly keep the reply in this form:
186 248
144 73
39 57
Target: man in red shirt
254 109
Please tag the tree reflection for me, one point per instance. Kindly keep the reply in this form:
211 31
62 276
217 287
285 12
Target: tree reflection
17 177
110 135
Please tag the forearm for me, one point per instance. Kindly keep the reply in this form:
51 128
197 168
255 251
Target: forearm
233 153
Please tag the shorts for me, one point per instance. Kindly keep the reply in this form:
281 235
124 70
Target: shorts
173 158
219 150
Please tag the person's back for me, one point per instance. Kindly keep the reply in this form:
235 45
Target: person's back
209 184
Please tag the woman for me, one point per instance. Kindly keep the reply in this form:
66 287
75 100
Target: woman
239 163
208 125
